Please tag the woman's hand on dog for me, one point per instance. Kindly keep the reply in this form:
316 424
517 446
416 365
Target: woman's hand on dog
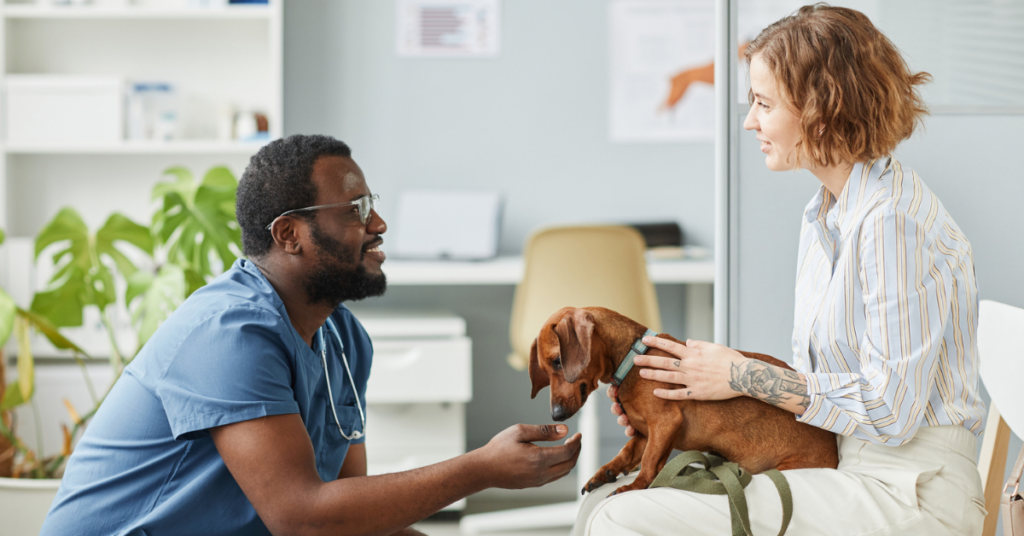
702 368
515 462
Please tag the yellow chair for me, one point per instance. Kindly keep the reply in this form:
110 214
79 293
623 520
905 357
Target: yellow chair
579 266
1001 348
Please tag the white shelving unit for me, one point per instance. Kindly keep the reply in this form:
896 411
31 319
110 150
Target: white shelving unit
216 57
50 11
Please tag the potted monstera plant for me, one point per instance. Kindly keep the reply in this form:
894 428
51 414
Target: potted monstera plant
193 236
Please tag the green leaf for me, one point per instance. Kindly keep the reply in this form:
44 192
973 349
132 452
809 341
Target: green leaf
2 236
26 365
197 221
119 228
84 269
66 225
62 305
138 283
50 331
12 397
161 295
193 281
7 311
221 178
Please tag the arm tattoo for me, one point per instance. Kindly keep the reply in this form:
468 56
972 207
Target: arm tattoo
774 385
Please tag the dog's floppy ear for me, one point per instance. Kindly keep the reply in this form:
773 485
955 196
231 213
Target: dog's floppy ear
574 332
538 375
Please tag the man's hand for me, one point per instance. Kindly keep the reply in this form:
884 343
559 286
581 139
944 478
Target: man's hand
514 462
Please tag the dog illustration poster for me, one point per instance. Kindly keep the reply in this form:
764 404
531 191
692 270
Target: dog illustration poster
662 69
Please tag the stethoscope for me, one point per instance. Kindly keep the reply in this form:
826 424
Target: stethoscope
323 358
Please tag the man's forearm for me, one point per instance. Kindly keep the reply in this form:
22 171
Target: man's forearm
783 388
388 503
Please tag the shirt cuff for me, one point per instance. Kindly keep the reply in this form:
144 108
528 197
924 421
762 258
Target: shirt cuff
197 426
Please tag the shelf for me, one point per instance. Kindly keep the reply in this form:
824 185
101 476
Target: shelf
141 147
241 12
509 271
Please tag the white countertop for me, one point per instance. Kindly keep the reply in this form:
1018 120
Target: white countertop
509 271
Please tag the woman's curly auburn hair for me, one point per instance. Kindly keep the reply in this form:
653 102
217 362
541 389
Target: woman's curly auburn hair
856 97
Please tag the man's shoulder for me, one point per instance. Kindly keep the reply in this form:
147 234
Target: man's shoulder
232 305
230 295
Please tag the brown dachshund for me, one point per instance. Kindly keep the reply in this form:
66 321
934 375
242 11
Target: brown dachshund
577 348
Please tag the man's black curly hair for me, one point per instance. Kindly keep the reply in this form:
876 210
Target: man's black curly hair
279 178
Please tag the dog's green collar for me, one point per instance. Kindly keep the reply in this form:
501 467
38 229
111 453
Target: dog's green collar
638 348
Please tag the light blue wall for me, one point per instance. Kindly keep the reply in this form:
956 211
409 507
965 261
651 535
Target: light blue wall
532 123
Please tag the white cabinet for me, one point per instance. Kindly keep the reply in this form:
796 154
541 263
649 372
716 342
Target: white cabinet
419 384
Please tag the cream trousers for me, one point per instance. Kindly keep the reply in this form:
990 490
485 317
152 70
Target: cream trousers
928 486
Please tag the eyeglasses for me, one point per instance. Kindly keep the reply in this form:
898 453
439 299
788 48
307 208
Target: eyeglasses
366 204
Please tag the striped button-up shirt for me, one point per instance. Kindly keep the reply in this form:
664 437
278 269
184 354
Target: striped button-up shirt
886 310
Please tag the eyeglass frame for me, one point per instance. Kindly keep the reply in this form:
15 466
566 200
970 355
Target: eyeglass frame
363 218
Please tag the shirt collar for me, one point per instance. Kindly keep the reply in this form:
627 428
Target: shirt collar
860 189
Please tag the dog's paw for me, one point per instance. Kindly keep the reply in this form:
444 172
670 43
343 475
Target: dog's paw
604 476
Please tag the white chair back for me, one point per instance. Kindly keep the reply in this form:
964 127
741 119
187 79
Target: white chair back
1001 349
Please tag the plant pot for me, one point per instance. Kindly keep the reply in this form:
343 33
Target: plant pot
24 503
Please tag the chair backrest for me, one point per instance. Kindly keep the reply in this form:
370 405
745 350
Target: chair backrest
580 266
1001 350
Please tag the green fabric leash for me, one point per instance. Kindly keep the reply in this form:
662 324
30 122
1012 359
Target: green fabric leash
719 477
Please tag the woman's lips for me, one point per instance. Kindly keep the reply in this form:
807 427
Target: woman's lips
765 146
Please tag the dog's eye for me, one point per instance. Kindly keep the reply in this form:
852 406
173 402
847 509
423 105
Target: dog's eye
556 363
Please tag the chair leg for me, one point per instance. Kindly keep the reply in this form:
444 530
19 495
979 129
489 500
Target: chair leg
995 472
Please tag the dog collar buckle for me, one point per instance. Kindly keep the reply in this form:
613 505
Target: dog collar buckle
638 348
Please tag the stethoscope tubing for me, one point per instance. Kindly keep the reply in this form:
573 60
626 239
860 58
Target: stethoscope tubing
355 391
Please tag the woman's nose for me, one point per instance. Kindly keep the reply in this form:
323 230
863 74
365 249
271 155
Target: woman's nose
750 122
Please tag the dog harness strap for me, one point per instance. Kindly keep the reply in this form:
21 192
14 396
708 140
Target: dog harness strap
719 477
638 348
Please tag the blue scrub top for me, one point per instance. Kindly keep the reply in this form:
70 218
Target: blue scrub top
146 463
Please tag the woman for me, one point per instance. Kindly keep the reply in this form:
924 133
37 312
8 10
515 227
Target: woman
886 310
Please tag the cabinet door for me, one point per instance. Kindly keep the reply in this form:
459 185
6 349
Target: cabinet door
421 371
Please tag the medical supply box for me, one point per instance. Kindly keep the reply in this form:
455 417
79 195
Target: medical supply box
48 109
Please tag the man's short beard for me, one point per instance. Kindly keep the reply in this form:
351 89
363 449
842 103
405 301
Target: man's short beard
331 282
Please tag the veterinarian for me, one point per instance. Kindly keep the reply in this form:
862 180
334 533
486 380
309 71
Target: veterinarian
884 334
244 413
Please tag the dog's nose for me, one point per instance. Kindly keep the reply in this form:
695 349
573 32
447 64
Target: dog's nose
558 413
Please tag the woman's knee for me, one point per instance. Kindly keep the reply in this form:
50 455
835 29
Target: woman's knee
650 512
